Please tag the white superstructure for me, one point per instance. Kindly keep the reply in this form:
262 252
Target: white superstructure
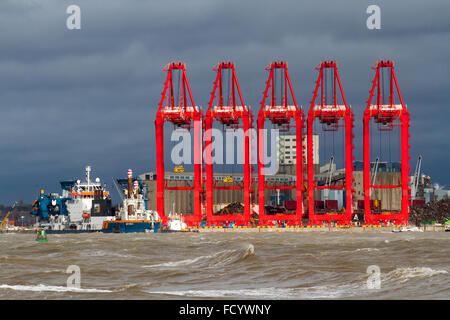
133 204
88 206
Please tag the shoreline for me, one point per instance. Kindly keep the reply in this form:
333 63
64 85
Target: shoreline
316 229
287 229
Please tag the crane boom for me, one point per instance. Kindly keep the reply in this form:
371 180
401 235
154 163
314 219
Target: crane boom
119 191
374 175
7 215
415 181
4 219
328 179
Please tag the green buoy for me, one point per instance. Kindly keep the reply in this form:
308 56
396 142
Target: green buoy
42 236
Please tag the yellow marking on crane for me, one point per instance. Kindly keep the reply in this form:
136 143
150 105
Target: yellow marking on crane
3 221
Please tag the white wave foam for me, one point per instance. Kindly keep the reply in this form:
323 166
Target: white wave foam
219 258
367 249
42 287
103 253
177 263
319 292
405 274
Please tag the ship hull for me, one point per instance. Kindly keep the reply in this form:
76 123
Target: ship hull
133 226
69 231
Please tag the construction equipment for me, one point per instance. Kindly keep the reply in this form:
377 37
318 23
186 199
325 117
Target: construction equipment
119 190
328 179
178 169
386 114
330 115
4 220
228 113
280 113
415 180
374 173
6 216
228 179
182 113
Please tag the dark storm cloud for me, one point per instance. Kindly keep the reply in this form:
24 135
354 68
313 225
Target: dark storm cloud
76 97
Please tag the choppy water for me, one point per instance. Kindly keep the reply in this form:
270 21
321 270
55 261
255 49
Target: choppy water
307 265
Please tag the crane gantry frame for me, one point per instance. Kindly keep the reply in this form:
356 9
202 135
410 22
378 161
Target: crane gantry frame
182 114
280 113
387 116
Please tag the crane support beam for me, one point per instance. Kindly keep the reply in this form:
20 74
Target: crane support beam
386 115
230 114
183 113
330 115
280 114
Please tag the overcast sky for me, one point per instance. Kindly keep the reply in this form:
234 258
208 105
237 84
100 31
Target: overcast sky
69 98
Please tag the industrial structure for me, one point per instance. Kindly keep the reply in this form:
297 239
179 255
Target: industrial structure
386 115
179 109
229 113
280 113
331 116
324 194
287 149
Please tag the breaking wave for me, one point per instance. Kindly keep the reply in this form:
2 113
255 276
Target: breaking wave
317 292
404 274
367 249
42 287
221 258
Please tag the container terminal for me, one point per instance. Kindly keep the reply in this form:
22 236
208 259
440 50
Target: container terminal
376 191
342 193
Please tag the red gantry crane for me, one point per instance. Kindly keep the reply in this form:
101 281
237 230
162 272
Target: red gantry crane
180 110
280 113
330 114
387 115
229 113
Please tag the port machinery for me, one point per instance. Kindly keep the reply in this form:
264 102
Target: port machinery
330 115
387 115
181 111
280 113
229 113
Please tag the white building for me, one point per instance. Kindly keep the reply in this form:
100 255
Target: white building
287 149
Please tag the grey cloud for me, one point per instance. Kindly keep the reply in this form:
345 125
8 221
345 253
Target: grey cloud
69 98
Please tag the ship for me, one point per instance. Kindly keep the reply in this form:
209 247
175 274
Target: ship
175 223
82 207
133 215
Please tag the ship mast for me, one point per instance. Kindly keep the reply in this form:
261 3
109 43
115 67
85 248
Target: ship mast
88 177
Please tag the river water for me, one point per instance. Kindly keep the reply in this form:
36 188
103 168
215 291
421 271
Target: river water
303 265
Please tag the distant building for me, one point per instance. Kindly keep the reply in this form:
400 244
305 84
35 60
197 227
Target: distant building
441 194
287 149
182 201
